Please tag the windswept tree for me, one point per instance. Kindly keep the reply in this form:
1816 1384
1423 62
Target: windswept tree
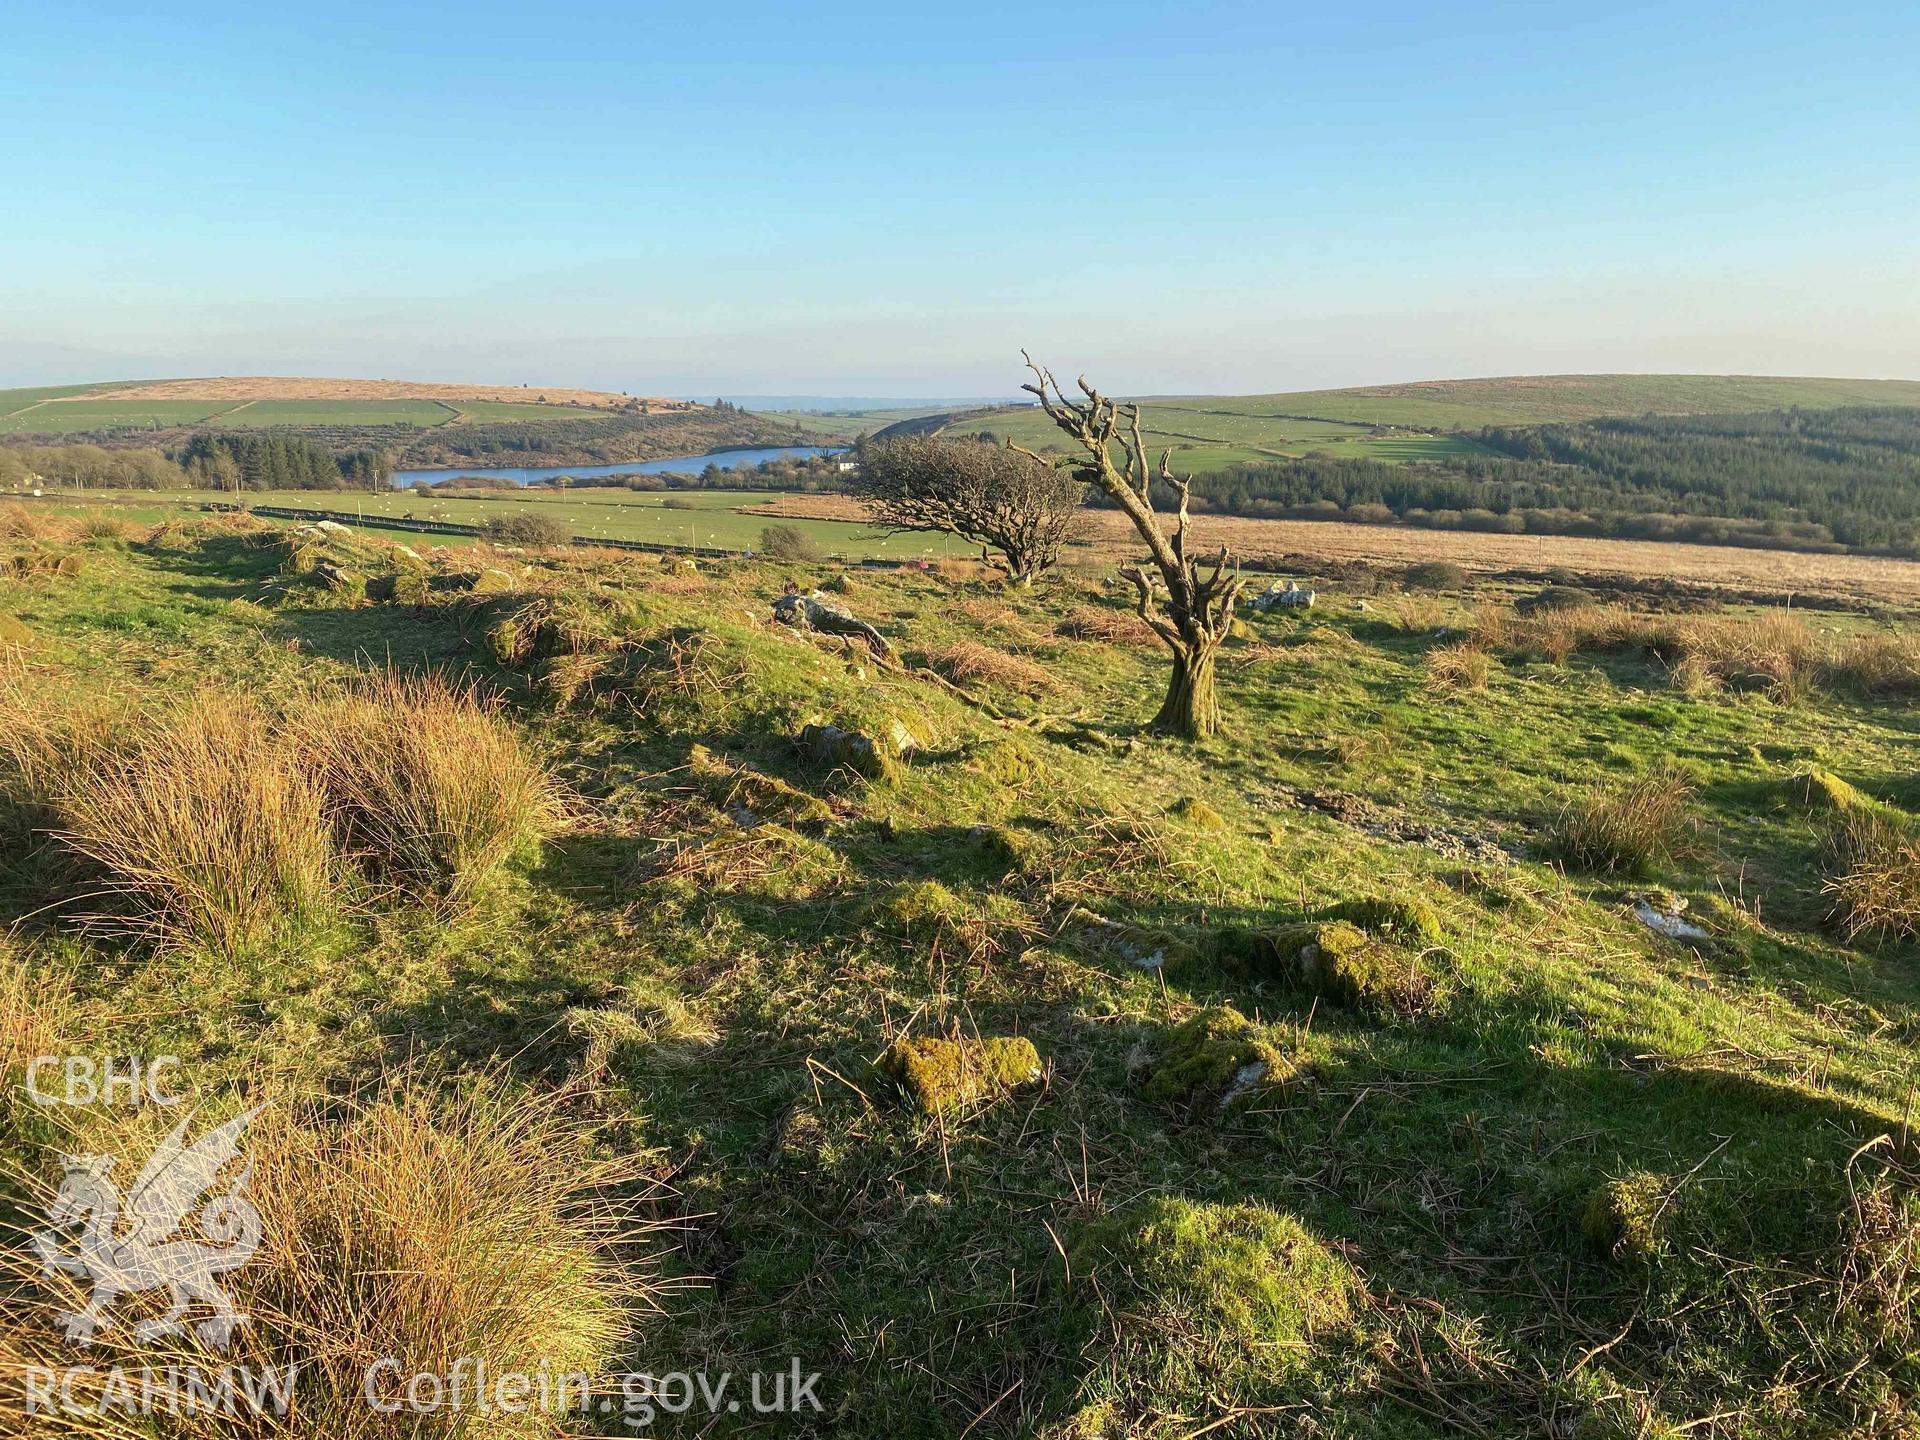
1199 603
1006 501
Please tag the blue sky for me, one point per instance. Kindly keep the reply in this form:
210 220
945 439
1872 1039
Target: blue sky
892 200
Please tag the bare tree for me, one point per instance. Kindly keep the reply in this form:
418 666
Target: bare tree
1002 500
1199 607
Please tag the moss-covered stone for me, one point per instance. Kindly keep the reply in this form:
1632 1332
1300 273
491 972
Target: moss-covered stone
876 757
1217 1057
14 634
944 1076
1629 1218
920 908
1337 959
1411 922
1245 1274
733 786
1192 810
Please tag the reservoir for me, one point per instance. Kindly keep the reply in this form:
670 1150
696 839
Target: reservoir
672 465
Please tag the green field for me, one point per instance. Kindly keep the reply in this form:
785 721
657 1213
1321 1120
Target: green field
1211 432
1208 436
263 413
1346 1093
25 412
705 519
66 417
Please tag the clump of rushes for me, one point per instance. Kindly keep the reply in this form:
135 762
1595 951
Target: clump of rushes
485 1231
208 831
1460 666
1628 829
427 786
1873 876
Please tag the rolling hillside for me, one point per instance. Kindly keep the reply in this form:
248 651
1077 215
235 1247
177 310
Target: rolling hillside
414 422
1420 421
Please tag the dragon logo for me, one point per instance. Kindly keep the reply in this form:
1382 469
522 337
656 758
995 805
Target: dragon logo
132 1246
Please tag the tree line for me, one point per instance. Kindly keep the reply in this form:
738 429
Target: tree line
278 460
1790 479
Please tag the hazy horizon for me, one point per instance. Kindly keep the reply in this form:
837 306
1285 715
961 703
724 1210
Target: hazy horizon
872 202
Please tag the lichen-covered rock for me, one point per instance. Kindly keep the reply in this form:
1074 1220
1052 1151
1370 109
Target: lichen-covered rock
1411 922
1219 1058
734 786
1629 1218
14 634
816 612
944 1076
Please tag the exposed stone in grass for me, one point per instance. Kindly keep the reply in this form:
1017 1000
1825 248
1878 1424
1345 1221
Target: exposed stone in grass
876 757
1411 922
944 1076
734 786
1629 1218
1217 1058
1337 959
1192 810
1243 1273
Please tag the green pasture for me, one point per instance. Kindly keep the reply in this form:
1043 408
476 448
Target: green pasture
706 519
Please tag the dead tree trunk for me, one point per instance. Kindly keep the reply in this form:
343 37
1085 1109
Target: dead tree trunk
1199 606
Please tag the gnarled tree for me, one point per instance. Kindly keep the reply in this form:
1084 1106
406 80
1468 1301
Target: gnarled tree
1002 500
1199 603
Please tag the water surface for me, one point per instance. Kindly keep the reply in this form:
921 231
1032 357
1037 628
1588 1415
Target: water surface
672 465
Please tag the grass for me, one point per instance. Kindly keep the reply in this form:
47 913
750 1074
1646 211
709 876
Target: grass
426 785
1432 1213
1211 432
428 1231
205 830
722 519
1627 829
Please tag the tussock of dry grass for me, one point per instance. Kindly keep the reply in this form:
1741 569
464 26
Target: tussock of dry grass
966 662
1627 829
1462 665
1418 614
483 1229
1113 627
1873 877
34 1018
428 786
206 829
1774 652
19 523
1879 665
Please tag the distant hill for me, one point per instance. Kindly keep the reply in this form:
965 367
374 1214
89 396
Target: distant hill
1423 420
414 422
1539 399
